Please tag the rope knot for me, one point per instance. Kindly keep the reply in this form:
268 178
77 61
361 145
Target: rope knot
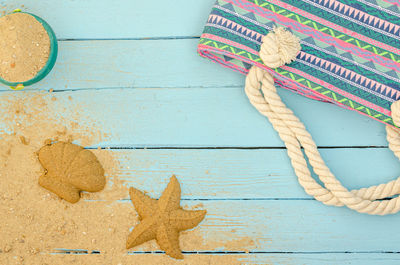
279 48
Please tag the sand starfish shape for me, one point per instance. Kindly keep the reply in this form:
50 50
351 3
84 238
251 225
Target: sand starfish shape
162 219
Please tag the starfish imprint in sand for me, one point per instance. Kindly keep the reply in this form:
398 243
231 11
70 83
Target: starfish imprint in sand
162 219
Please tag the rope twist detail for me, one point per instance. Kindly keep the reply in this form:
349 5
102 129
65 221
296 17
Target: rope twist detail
280 47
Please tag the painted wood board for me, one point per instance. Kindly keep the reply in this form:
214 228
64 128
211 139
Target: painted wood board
259 258
99 19
246 174
158 93
200 117
135 64
278 226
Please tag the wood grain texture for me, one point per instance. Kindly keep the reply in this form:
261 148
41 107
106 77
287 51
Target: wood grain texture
94 19
246 174
133 66
282 226
233 259
204 117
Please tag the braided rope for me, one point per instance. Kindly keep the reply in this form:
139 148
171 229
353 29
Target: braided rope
262 94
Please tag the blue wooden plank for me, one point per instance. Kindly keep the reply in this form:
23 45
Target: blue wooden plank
233 259
291 226
328 258
269 226
119 18
249 174
240 259
134 64
194 117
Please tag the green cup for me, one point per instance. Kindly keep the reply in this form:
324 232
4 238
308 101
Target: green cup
50 63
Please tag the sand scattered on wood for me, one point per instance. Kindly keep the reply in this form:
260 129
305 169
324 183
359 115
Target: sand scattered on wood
36 223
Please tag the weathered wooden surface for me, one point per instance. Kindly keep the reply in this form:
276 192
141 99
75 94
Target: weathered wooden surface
138 60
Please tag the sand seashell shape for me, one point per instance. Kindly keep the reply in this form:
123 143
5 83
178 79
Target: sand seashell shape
70 169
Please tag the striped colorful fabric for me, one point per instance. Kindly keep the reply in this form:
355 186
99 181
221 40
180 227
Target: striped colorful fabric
350 48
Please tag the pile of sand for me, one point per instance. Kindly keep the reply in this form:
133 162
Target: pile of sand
24 47
35 223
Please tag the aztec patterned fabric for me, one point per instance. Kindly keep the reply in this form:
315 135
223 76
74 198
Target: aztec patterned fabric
350 48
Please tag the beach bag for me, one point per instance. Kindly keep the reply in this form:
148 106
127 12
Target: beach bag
343 52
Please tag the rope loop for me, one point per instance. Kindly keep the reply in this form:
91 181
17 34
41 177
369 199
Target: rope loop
280 47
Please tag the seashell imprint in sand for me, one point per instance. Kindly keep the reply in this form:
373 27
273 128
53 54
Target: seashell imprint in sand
70 169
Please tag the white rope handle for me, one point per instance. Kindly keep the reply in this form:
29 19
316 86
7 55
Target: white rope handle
280 47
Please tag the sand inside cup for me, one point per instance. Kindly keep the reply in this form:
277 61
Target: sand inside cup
24 47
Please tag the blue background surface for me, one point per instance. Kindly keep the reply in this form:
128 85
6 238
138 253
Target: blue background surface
172 112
